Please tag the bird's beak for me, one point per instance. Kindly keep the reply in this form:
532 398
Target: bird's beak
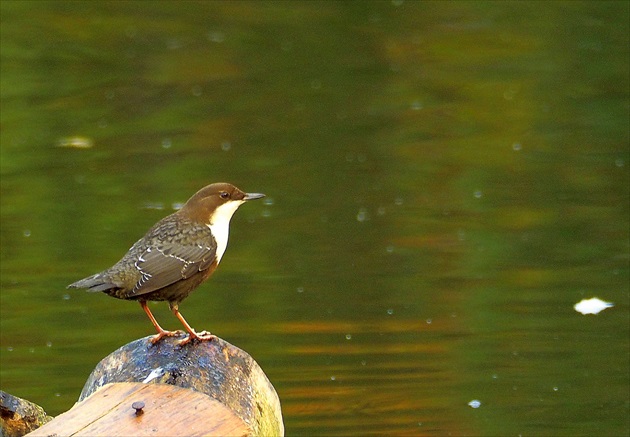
253 196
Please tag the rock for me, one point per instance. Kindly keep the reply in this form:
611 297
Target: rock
19 416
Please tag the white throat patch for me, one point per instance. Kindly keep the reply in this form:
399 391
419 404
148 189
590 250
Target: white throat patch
220 225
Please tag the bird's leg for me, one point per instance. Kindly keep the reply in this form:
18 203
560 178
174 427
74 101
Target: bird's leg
161 332
192 334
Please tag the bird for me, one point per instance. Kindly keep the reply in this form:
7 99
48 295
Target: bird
174 257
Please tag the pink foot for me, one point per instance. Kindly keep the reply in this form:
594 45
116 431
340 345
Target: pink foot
197 336
161 334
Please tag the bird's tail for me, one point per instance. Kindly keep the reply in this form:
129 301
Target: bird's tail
97 282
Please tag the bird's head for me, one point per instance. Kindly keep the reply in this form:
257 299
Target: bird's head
216 203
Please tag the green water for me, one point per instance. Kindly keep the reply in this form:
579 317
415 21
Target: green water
445 180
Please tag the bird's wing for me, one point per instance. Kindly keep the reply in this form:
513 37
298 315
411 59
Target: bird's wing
167 263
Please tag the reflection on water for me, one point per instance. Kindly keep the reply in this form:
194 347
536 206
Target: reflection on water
445 180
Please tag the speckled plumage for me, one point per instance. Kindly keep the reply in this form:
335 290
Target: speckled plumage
175 256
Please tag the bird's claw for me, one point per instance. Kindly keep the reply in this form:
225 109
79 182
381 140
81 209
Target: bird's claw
160 335
197 336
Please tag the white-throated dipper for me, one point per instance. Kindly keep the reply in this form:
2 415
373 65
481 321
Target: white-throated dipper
175 256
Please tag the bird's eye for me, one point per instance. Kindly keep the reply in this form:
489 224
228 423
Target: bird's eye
225 195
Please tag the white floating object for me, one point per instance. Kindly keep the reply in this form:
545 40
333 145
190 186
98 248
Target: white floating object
76 142
474 403
592 306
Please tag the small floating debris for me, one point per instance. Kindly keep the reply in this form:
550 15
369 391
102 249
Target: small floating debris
592 306
474 403
153 205
76 142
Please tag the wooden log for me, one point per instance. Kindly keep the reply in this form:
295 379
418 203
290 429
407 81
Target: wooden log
19 416
222 391
167 410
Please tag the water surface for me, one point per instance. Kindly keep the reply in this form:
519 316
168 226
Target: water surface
444 180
